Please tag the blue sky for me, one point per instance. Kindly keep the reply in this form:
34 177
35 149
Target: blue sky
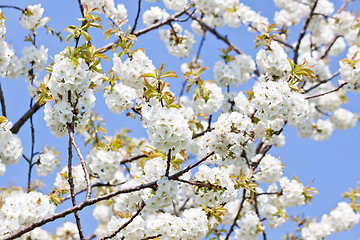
333 164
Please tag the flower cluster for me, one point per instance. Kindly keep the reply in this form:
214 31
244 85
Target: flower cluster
213 102
32 17
20 209
104 163
47 161
154 15
108 8
350 68
178 44
119 98
71 86
340 219
164 195
270 169
167 128
236 72
132 68
223 187
273 61
61 180
10 146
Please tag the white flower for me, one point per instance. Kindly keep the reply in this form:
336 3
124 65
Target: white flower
31 18
154 15
214 101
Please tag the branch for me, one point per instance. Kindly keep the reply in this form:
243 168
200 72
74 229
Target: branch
92 201
237 216
330 45
150 28
125 224
202 133
331 91
2 100
83 164
213 31
168 163
152 237
99 184
13 7
127 160
303 31
322 82
137 17
81 8
71 182
16 127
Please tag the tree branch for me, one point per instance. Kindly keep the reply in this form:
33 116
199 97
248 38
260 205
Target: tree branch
322 82
83 164
16 127
157 25
237 215
92 201
331 91
137 17
125 224
303 31
2 100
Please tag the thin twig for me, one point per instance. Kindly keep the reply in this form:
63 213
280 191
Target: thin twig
32 130
157 25
237 215
113 234
127 160
71 179
152 237
83 164
2 100
137 17
213 31
168 163
13 7
329 46
100 184
202 133
331 91
303 31
322 82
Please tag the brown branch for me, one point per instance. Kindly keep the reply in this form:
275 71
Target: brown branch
16 127
152 237
322 82
137 17
99 184
157 25
127 160
331 91
32 130
113 234
168 162
83 164
92 201
71 183
303 31
13 7
2 100
329 46
237 216
81 8
213 31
